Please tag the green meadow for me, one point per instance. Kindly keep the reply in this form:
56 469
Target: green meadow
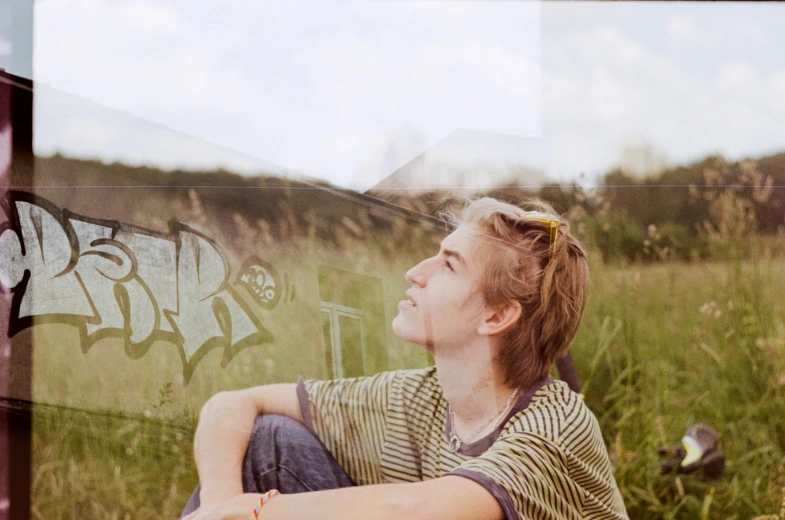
682 327
661 347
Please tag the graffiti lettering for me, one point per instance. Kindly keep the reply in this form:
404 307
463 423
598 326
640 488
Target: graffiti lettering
114 280
258 278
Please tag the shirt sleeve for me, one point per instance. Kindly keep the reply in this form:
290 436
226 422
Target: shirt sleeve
349 416
528 476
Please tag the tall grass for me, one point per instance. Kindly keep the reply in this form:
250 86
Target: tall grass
89 465
665 346
662 346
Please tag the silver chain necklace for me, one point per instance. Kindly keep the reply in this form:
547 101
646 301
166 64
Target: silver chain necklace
456 442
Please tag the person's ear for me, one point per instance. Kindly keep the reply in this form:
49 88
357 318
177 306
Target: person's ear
500 318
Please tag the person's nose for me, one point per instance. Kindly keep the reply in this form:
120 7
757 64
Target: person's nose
418 274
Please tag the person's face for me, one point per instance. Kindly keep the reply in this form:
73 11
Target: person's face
444 306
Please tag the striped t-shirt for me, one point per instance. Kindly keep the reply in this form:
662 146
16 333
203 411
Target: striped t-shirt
547 459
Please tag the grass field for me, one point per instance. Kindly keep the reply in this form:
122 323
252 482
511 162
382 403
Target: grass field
662 346
666 346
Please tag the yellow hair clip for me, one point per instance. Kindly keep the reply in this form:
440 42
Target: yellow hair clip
553 226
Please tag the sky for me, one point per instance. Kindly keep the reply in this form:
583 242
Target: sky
688 79
349 91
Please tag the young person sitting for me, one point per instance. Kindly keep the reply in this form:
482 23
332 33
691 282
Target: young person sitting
485 434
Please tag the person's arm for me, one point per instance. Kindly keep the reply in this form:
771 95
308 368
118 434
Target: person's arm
445 498
225 425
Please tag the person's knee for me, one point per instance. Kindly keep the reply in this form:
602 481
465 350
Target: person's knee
274 438
269 429
283 454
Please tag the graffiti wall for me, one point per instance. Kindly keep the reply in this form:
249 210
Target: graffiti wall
130 283
198 289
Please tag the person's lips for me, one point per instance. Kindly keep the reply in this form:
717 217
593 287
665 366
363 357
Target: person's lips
409 302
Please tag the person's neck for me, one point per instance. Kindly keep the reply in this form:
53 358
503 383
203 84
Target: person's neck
474 388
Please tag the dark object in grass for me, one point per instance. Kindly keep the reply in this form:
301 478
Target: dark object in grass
699 449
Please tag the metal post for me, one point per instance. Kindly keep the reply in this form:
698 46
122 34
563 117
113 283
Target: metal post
16 168
16 95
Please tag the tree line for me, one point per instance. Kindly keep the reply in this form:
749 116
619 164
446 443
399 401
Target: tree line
690 212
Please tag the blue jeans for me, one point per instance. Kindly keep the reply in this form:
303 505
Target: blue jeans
282 454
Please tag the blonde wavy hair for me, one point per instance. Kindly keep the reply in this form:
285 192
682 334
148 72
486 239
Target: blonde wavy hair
529 256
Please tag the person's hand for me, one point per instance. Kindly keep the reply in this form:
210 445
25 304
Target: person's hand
239 507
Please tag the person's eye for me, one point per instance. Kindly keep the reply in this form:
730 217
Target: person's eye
449 265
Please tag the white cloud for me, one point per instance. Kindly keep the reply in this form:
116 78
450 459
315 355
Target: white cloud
387 154
114 52
606 95
683 31
602 86
83 129
731 76
312 88
749 33
150 19
331 88
433 85
777 85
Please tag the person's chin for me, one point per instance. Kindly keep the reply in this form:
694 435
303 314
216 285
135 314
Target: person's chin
400 329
